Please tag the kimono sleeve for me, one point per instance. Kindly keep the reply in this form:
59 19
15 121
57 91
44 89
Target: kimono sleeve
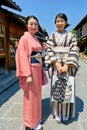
22 60
73 57
50 56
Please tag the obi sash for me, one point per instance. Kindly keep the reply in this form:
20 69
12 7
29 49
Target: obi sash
36 57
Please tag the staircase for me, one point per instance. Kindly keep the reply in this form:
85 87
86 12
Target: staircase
7 80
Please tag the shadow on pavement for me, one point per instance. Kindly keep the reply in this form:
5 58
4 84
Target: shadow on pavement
9 92
79 108
45 109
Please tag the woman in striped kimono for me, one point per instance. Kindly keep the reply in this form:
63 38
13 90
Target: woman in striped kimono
62 58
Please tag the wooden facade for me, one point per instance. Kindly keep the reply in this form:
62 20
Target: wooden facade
81 30
11 28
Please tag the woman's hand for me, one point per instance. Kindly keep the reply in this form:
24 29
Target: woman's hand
61 68
44 45
29 80
58 67
65 68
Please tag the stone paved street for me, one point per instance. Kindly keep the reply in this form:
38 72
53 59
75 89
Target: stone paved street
11 106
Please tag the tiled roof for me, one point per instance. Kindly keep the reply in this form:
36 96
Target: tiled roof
83 21
10 3
18 17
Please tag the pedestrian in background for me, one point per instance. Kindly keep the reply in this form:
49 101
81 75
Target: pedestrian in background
12 51
61 64
29 72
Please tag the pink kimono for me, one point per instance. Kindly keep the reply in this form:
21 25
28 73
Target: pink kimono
32 112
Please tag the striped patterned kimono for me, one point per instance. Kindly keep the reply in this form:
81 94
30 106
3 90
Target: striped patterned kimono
54 44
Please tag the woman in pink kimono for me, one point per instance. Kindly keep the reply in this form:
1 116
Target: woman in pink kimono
62 58
29 72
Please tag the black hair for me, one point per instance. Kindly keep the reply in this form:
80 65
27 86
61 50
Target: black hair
29 17
34 17
63 16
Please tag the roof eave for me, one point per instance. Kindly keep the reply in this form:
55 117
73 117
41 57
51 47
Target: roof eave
11 4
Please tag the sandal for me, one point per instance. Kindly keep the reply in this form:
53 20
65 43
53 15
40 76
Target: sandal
58 119
38 127
65 118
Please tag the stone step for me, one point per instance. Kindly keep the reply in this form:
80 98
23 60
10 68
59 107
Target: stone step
7 80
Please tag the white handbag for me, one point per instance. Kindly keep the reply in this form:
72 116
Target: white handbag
69 93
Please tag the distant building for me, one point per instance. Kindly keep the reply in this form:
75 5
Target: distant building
81 29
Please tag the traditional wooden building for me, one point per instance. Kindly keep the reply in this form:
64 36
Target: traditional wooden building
81 30
12 26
